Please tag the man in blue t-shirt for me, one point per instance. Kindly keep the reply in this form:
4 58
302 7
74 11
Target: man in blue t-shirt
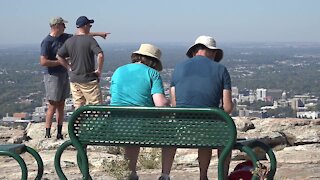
202 82
56 78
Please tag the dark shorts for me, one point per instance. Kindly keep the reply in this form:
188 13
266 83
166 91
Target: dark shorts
57 86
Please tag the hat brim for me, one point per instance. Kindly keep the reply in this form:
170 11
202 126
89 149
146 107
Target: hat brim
63 21
219 54
159 64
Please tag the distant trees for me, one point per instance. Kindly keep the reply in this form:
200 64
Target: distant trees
294 69
297 75
20 76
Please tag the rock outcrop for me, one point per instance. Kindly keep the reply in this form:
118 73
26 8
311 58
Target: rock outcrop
296 143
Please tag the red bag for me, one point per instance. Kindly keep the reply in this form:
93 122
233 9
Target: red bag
242 171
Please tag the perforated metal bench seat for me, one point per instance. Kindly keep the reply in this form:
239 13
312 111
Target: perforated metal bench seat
14 151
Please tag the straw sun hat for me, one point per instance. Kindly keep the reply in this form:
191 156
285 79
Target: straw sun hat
151 51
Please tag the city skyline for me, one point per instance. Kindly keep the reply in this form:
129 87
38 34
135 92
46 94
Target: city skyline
141 21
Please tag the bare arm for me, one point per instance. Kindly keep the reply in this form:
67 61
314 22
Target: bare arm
227 101
173 96
101 34
44 61
160 100
100 60
63 62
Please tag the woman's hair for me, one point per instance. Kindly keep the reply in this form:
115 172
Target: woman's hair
147 60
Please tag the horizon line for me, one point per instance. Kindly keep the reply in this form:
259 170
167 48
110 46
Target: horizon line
178 42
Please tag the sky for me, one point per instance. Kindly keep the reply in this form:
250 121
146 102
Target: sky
140 21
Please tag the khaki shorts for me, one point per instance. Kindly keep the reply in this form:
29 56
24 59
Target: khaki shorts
86 93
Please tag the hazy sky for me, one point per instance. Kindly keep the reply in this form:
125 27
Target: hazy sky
26 21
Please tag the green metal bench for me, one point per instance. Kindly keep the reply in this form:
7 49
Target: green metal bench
150 127
14 151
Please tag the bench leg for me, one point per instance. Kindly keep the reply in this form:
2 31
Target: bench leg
21 162
36 155
269 152
251 154
83 166
248 149
57 159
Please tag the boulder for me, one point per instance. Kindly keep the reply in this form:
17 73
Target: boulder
296 143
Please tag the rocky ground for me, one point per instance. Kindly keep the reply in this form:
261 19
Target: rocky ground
296 144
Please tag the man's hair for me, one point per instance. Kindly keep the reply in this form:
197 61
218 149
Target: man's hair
198 47
147 60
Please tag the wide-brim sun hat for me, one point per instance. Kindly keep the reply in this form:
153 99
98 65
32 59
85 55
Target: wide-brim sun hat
210 43
151 51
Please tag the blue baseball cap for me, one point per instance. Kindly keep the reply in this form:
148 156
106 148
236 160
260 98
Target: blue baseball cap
83 20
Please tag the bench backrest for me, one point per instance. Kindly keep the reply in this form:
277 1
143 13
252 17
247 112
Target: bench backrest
152 126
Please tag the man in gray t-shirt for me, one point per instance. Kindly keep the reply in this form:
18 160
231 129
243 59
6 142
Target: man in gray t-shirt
81 50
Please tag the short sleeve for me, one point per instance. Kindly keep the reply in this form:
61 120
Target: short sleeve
226 80
157 85
174 76
95 47
44 48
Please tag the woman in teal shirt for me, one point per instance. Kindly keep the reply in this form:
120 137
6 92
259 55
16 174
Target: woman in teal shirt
139 84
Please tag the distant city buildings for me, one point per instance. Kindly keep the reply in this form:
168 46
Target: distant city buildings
17 118
308 114
261 94
277 98
248 102
39 114
271 99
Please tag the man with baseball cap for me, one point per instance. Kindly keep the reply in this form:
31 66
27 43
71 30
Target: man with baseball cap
81 50
56 79
201 81
55 76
